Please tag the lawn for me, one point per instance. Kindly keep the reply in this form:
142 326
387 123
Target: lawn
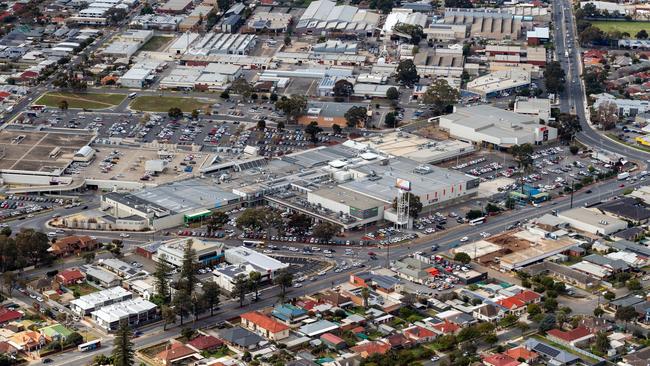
82 288
162 104
156 43
622 26
81 100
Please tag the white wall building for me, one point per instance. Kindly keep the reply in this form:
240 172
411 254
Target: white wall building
592 221
86 304
206 252
242 255
134 312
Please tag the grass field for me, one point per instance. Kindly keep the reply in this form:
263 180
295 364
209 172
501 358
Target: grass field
156 43
81 100
622 26
162 104
82 288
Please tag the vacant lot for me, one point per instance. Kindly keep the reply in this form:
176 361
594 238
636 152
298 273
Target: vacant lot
163 104
81 100
630 27
156 43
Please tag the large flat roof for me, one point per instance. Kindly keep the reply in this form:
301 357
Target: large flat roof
255 258
348 197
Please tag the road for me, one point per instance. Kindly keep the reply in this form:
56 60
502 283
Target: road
573 98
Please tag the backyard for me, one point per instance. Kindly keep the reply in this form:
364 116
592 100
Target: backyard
81 100
81 289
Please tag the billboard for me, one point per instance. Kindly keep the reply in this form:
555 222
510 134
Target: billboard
403 184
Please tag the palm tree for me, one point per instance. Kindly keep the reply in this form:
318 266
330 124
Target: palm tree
283 279
255 278
365 294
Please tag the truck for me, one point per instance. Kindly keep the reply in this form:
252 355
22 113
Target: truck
623 176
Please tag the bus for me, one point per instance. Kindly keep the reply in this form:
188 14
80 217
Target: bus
253 243
477 221
89 346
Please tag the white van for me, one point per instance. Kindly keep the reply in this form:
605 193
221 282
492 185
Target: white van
51 234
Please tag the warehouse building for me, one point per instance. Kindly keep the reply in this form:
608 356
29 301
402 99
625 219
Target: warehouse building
169 205
270 22
134 312
490 126
175 7
128 43
438 32
538 107
243 255
207 252
498 24
215 44
592 221
402 16
441 62
326 16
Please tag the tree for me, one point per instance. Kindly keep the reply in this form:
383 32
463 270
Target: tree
33 247
554 77
415 205
473 214
216 221
590 35
626 313
9 280
175 113
523 154
642 34
187 333
287 40
254 278
390 120
550 304
283 279
522 326
533 309
161 279
224 94
299 222
547 323
598 312
356 116
123 347
413 31
74 339
116 15
365 294
188 269
392 93
280 126
406 72
491 338
634 285
292 107
63 105
609 296
567 126
240 288
463 258
241 87
607 115
6 231
458 4
441 96
313 130
261 124
325 230
385 6
211 293
168 315
343 88
336 129
510 203
602 343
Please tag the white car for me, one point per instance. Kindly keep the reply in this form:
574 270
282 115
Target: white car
464 239
297 285
124 235
39 299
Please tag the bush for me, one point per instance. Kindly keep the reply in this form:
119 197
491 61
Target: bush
574 149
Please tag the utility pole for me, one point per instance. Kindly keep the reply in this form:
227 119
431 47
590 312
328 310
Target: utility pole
572 189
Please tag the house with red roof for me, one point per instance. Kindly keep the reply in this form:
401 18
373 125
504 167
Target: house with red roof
8 315
576 337
8 349
371 348
70 277
205 343
500 359
176 352
265 326
521 353
513 305
446 327
419 334
398 340
529 297
332 341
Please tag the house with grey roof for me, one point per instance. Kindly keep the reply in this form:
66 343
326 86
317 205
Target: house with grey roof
240 338
553 355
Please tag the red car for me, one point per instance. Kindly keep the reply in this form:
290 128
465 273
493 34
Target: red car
622 185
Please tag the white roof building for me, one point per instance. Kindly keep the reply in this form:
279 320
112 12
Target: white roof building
484 124
325 14
134 311
243 255
499 82
592 221
403 16
84 305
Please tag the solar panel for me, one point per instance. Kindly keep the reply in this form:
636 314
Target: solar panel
547 350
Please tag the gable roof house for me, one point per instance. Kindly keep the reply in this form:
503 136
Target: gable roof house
205 343
70 276
420 334
500 359
575 337
489 313
175 353
73 244
265 326
240 338
369 348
